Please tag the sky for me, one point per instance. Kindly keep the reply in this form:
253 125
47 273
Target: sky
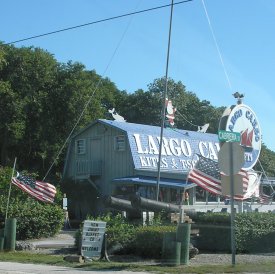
217 47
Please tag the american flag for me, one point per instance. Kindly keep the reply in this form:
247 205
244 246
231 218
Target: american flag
42 191
265 199
207 175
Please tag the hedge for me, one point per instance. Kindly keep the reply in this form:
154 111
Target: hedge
33 219
254 232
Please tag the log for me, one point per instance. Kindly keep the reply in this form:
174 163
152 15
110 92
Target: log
74 258
152 205
119 204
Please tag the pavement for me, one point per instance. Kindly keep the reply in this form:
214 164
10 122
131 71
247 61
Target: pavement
18 268
64 239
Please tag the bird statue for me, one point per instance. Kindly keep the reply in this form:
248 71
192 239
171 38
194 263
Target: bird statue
238 96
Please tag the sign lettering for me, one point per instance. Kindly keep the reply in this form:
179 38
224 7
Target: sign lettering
92 238
242 120
177 153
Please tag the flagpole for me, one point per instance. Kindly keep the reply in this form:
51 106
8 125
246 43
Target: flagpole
164 98
8 201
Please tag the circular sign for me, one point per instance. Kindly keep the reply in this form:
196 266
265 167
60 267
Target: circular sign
225 161
242 119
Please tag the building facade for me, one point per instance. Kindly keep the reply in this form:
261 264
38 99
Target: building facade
120 159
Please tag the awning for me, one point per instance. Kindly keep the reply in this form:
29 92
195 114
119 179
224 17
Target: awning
152 181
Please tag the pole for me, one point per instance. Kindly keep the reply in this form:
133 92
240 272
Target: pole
164 98
232 205
8 201
181 219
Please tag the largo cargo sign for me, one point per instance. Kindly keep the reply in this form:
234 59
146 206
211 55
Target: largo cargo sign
241 119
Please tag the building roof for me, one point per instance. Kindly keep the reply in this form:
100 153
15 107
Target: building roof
155 130
180 149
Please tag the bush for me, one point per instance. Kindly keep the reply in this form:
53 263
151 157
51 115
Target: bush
33 219
148 240
120 233
214 231
254 232
126 238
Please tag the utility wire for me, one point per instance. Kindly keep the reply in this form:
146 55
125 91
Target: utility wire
229 83
90 98
216 44
273 193
95 22
185 118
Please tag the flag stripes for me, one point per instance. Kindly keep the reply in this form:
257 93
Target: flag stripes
265 199
42 191
207 175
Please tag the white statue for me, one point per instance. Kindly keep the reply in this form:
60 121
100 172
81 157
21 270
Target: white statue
203 128
116 116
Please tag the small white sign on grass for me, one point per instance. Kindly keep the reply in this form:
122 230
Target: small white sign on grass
92 238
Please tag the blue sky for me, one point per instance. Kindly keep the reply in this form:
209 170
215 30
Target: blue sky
131 51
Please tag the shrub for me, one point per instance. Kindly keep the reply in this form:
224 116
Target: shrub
120 233
33 219
254 232
148 240
214 231
126 238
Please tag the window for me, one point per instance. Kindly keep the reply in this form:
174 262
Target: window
120 143
80 146
200 194
204 196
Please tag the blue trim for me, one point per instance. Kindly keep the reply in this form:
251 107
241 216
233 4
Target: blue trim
152 181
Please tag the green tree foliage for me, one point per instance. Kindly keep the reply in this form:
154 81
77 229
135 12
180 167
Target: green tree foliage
266 162
43 102
191 111
34 219
140 107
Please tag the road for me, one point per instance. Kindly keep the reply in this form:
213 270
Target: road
19 268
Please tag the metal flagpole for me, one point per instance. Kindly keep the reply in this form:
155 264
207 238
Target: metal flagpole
8 201
164 97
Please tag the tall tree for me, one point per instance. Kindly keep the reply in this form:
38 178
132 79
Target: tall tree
266 163
42 102
191 111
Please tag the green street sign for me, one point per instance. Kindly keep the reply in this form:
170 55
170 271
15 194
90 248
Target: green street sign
229 136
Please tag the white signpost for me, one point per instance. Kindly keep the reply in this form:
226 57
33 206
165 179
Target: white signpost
225 158
92 238
240 125
231 160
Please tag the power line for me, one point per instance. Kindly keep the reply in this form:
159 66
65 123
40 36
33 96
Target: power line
217 46
90 98
95 22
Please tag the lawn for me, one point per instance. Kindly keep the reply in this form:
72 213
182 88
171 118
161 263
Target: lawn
26 257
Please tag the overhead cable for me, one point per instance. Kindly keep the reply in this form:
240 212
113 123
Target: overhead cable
90 99
95 22
216 44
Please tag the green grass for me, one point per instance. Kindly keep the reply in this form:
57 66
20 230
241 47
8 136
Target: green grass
25 257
